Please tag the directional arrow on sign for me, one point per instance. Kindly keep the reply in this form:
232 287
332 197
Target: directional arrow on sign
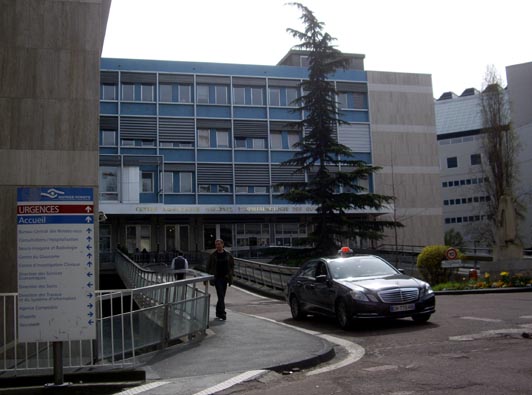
90 305
88 219
88 209
89 263
89 284
89 255
89 230
90 313
89 274
89 247
90 295
90 322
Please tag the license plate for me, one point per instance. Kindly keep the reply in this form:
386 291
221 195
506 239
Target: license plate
402 307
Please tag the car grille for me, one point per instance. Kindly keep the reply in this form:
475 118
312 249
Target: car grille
400 295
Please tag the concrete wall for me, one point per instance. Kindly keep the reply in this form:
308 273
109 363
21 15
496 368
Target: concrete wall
49 104
404 144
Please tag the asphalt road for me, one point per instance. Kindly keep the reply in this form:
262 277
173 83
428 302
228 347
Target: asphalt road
474 344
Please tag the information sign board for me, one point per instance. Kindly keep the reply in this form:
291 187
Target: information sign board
55 255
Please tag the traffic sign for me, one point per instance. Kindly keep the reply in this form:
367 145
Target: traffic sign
55 242
451 253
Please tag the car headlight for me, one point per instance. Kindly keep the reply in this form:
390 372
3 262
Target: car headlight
361 296
426 290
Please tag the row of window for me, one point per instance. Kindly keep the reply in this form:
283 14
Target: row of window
219 94
458 140
467 181
474 199
470 218
475 159
208 139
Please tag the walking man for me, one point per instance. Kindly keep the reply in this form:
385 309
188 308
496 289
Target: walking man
221 265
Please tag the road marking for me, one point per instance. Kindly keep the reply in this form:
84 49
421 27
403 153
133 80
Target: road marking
381 368
526 317
142 388
487 334
481 319
354 351
246 376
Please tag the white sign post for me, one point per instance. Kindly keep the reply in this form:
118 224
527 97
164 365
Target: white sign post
55 242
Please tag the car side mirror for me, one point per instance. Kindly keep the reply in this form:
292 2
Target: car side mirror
322 278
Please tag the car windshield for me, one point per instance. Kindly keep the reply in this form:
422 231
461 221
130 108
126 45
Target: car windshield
356 267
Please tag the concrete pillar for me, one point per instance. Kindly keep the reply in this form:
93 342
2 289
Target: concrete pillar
49 104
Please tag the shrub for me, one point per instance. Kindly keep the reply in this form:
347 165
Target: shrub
429 264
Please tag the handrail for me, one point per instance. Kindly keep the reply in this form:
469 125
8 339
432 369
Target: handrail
157 310
264 276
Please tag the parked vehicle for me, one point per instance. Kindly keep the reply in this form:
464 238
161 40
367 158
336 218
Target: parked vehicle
358 287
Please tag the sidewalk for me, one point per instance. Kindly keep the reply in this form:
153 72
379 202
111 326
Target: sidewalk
240 344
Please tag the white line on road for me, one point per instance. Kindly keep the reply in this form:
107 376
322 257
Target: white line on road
250 375
354 351
481 319
142 388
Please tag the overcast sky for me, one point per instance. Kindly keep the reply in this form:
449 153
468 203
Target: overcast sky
454 40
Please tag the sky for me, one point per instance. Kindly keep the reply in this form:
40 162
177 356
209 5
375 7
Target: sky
453 40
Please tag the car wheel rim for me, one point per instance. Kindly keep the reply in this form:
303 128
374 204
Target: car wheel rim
295 307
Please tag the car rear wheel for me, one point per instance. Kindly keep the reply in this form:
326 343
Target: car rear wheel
342 315
295 309
421 318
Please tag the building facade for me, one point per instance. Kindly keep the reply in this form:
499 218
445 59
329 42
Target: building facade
191 152
459 127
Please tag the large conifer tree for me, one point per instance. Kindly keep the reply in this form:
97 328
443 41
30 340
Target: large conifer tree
332 172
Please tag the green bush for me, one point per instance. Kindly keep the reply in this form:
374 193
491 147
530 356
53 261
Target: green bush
429 264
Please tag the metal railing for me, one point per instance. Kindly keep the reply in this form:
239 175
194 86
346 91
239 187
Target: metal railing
155 311
270 278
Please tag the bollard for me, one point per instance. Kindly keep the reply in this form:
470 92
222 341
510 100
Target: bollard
473 274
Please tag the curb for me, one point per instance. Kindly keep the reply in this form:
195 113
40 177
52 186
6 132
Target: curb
483 291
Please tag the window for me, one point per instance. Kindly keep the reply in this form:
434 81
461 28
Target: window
146 182
108 137
275 96
165 93
166 144
293 137
475 159
258 143
128 143
108 92
452 162
108 183
168 182
146 92
224 188
241 189
128 92
359 100
148 143
222 138
278 189
240 142
239 95
343 100
221 94
183 92
303 61
204 138
202 93
257 96
276 140
204 188
185 182
260 190
291 96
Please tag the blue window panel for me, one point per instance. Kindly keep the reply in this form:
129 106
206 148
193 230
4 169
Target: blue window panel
354 116
108 108
185 155
138 151
250 112
281 156
108 150
138 109
179 199
215 199
250 156
213 111
214 155
284 113
148 198
176 110
277 200
253 199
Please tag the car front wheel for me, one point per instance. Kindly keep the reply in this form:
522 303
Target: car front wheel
295 309
342 315
421 318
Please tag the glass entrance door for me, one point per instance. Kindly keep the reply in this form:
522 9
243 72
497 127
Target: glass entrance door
177 237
